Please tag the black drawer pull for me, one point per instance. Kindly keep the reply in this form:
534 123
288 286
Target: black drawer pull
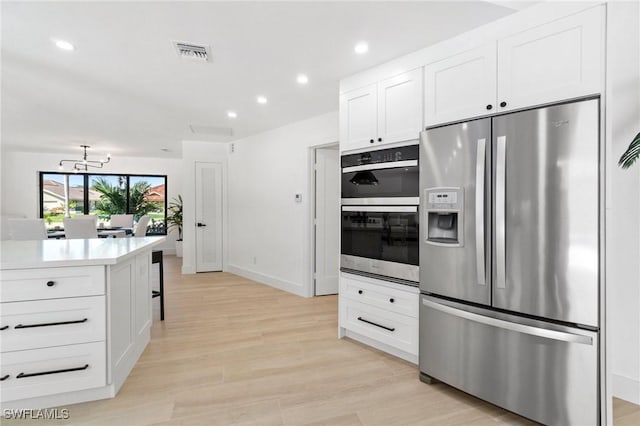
392 300
44 373
377 325
3 378
51 324
51 283
359 291
4 328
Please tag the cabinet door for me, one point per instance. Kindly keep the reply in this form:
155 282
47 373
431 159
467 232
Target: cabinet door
556 61
461 86
400 107
358 118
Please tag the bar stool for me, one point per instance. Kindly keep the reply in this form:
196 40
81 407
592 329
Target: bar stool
156 257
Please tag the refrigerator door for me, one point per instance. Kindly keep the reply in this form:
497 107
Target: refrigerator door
543 371
546 209
455 225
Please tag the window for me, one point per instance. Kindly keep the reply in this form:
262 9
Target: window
103 195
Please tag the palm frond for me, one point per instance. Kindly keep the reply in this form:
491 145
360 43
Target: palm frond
631 154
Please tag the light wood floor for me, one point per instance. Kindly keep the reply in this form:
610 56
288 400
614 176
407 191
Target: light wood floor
232 351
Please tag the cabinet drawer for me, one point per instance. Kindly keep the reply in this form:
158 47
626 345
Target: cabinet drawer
43 323
51 283
388 296
49 371
395 330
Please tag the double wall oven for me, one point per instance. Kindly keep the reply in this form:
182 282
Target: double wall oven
380 214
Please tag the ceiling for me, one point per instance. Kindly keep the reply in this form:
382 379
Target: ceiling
125 90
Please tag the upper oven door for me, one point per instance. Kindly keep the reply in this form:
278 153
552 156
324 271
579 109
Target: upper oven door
389 176
388 233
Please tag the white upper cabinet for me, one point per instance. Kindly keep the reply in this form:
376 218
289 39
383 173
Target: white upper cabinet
461 86
400 107
386 112
552 62
358 117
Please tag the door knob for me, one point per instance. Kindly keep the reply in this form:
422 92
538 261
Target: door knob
489 107
503 104
200 225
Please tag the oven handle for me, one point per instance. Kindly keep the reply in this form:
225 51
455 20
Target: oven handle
380 166
381 209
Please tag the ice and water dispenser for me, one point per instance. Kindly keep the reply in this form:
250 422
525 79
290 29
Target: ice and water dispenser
444 216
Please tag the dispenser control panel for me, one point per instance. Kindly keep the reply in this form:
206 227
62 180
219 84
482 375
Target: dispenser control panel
439 199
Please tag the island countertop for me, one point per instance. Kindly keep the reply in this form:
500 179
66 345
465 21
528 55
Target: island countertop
74 252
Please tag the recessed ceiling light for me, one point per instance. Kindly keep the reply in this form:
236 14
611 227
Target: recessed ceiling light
361 48
302 79
231 114
261 100
64 45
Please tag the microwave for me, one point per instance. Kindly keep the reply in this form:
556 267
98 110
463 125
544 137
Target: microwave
380 241
384 177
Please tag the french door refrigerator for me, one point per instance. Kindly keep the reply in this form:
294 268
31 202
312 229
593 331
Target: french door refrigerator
510 260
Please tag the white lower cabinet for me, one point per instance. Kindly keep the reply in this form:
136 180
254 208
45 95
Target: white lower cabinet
72 334
380 313
45 371
45 323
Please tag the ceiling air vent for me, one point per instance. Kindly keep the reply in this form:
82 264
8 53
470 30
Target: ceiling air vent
193 51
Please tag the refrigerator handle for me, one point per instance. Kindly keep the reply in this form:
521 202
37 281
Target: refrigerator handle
480 172
501 148
511 326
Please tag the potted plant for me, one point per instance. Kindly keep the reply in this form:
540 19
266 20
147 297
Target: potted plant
631 154
174 220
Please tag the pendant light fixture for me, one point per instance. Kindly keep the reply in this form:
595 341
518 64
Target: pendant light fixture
84 164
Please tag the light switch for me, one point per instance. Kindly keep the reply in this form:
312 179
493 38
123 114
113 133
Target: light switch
298 197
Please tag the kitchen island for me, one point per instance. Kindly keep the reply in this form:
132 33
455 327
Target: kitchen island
75 316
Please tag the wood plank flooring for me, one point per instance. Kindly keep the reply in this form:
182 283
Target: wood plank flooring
232 351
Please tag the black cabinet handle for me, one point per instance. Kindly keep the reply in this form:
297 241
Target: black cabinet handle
503 104
489 107
377 325
200 225
371 141
44 373
51 283
3 378
49 324
379 139
359 291
4 328
392 300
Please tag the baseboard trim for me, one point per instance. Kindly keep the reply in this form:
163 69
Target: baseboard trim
379 345
626 388
269 280
188 269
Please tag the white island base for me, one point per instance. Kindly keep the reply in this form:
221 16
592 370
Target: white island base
75 316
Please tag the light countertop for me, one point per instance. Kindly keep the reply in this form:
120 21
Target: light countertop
59 253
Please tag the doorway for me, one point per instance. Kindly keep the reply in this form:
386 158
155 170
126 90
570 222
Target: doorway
326 218
208 217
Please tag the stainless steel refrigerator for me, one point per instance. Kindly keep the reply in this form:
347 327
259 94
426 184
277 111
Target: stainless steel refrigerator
510 260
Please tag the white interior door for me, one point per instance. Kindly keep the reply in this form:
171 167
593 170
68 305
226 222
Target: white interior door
208 217
327 221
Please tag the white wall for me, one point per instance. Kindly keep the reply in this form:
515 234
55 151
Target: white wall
623 199
193 152
20 184
268 231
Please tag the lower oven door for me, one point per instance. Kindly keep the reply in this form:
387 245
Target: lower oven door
381 240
